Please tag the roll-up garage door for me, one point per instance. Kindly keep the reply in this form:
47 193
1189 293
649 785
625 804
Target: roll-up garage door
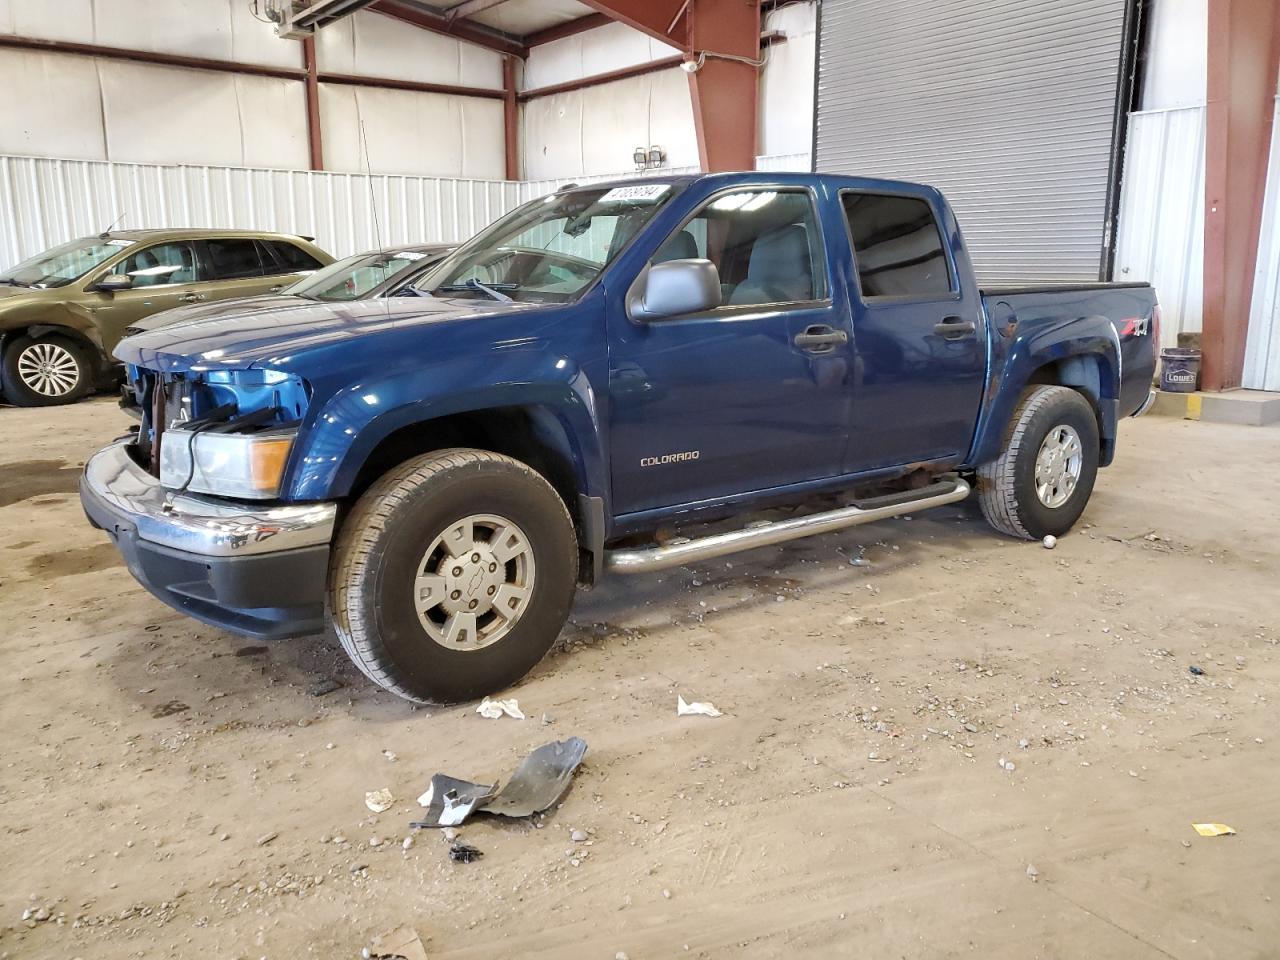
1006 105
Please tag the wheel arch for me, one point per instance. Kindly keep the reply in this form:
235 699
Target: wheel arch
1084 355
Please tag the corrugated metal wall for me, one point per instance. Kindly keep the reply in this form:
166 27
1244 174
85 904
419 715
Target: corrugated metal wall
1007 105
43 202
1161 232
1262 351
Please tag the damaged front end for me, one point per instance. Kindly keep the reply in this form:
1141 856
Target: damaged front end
220 432
192 499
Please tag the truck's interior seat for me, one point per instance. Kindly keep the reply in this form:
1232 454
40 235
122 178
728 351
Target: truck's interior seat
682 246
780 268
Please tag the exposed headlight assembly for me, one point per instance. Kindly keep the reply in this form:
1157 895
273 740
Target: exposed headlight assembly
248 466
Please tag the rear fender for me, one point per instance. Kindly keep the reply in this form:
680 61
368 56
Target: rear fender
1083 353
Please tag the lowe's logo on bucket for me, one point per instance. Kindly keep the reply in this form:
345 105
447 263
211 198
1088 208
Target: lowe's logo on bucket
1180 376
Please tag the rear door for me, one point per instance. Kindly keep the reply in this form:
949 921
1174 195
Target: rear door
751 395
239 267
919 335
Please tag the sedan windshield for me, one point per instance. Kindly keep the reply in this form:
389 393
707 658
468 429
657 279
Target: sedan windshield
61 265
354 277
550 250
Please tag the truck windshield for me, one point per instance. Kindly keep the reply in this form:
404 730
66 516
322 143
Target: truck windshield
550 250
354 277
60 265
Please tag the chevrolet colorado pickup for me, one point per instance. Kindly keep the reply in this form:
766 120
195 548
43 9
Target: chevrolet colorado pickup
436 474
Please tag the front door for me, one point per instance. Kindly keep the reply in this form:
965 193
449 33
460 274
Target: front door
921 346
164 275
751 395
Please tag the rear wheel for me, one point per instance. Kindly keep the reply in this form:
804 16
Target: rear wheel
1041 483
46 372
453 575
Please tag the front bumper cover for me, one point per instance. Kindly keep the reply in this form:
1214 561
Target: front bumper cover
254 570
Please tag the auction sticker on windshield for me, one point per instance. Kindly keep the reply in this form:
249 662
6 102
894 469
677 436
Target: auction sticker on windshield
640 192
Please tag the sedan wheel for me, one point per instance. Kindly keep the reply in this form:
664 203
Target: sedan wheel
49 369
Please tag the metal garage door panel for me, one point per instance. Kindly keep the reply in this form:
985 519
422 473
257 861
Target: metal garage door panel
1006 105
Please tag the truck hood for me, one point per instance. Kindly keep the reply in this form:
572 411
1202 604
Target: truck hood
280 336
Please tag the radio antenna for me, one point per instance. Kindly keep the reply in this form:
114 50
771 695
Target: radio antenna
373 203
107 232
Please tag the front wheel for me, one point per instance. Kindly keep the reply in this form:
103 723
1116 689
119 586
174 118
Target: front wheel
1041 483
453 575
46 372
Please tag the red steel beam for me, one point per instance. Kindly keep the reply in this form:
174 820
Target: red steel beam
663 19
510 118
147 56
416 86
457 28
1244 59
567 29
315 141
639 70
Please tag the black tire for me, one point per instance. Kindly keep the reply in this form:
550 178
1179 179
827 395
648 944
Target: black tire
22 390
381 547
1007 485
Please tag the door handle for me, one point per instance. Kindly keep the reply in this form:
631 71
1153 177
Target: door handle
953 328
190 297
820 338
276 289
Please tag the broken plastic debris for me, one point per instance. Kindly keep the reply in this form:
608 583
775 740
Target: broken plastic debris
493 709
539 781
695 709
449 801
1213 829
462 853
401 944
379 801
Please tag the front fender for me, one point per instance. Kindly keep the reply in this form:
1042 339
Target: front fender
338 438
1087 348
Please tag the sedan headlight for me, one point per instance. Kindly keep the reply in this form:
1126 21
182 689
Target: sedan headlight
244 465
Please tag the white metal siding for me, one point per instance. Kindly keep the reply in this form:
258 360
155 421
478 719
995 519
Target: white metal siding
1006 105
1262 351
44 202
1161 232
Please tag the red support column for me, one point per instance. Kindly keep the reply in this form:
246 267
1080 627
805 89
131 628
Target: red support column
725 91
1244 58
723 38
315 142
511 117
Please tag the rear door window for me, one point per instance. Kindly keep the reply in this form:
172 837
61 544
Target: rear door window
233 258
897 246
292 259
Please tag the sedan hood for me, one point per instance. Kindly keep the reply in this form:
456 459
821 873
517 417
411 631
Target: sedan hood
240 307
279 337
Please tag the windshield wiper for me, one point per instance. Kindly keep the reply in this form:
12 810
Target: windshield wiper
13 283
493 290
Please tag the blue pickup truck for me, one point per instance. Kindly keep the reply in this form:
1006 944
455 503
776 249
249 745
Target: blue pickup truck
435 475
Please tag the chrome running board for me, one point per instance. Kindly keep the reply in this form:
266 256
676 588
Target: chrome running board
677 552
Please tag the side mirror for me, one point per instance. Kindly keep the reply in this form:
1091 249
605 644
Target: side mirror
113 282
673 288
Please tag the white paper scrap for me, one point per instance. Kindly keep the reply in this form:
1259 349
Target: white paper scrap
695 709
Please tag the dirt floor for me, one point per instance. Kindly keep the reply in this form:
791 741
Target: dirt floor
968 746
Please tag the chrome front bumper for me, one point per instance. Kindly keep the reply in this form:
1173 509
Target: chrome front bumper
200 525
259 571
